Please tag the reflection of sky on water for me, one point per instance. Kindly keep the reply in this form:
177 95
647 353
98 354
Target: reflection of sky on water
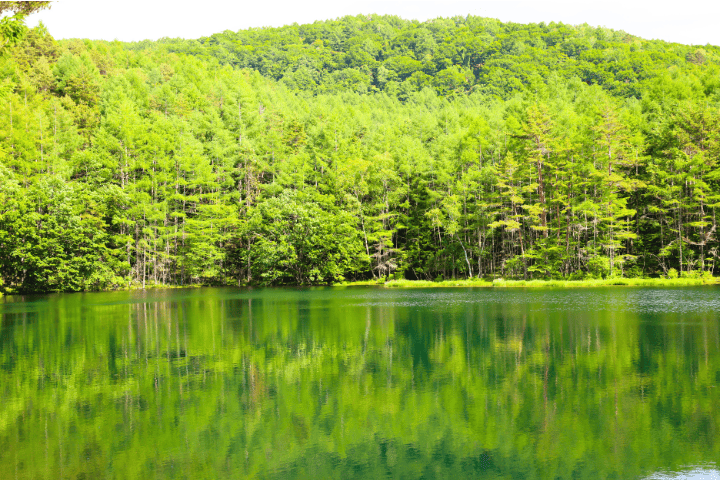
646 300
696 473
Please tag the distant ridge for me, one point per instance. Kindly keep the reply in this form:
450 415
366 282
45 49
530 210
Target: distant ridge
372 53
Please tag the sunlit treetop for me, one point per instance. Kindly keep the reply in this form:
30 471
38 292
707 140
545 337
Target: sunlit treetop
12 28
24 8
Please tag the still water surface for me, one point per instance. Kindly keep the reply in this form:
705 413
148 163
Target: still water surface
361 383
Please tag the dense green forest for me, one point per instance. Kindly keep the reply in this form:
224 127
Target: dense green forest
357 148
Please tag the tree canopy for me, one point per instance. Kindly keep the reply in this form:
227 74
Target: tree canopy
357 148
12 28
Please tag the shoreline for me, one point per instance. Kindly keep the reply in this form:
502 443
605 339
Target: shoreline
500 283
459 283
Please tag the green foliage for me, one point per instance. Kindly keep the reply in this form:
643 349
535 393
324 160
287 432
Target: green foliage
458 54
53 238
12 27
356 149
295 241
12 30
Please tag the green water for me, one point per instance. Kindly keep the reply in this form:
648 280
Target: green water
361 383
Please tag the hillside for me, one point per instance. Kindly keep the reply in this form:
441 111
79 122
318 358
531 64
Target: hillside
453 55
355 148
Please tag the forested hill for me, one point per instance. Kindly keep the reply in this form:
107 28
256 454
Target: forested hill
357 148
450 55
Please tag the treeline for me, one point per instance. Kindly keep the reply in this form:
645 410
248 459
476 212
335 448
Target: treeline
179 162
457 55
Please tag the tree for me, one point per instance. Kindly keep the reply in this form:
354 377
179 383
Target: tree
12 28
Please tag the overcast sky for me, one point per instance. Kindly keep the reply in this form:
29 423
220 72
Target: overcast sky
683 21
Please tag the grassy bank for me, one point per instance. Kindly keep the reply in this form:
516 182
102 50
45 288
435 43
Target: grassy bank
500 283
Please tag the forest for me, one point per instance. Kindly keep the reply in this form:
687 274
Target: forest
358 148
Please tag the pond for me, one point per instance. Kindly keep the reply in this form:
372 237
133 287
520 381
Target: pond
361 382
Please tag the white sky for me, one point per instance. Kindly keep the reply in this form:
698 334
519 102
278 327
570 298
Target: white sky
683 21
